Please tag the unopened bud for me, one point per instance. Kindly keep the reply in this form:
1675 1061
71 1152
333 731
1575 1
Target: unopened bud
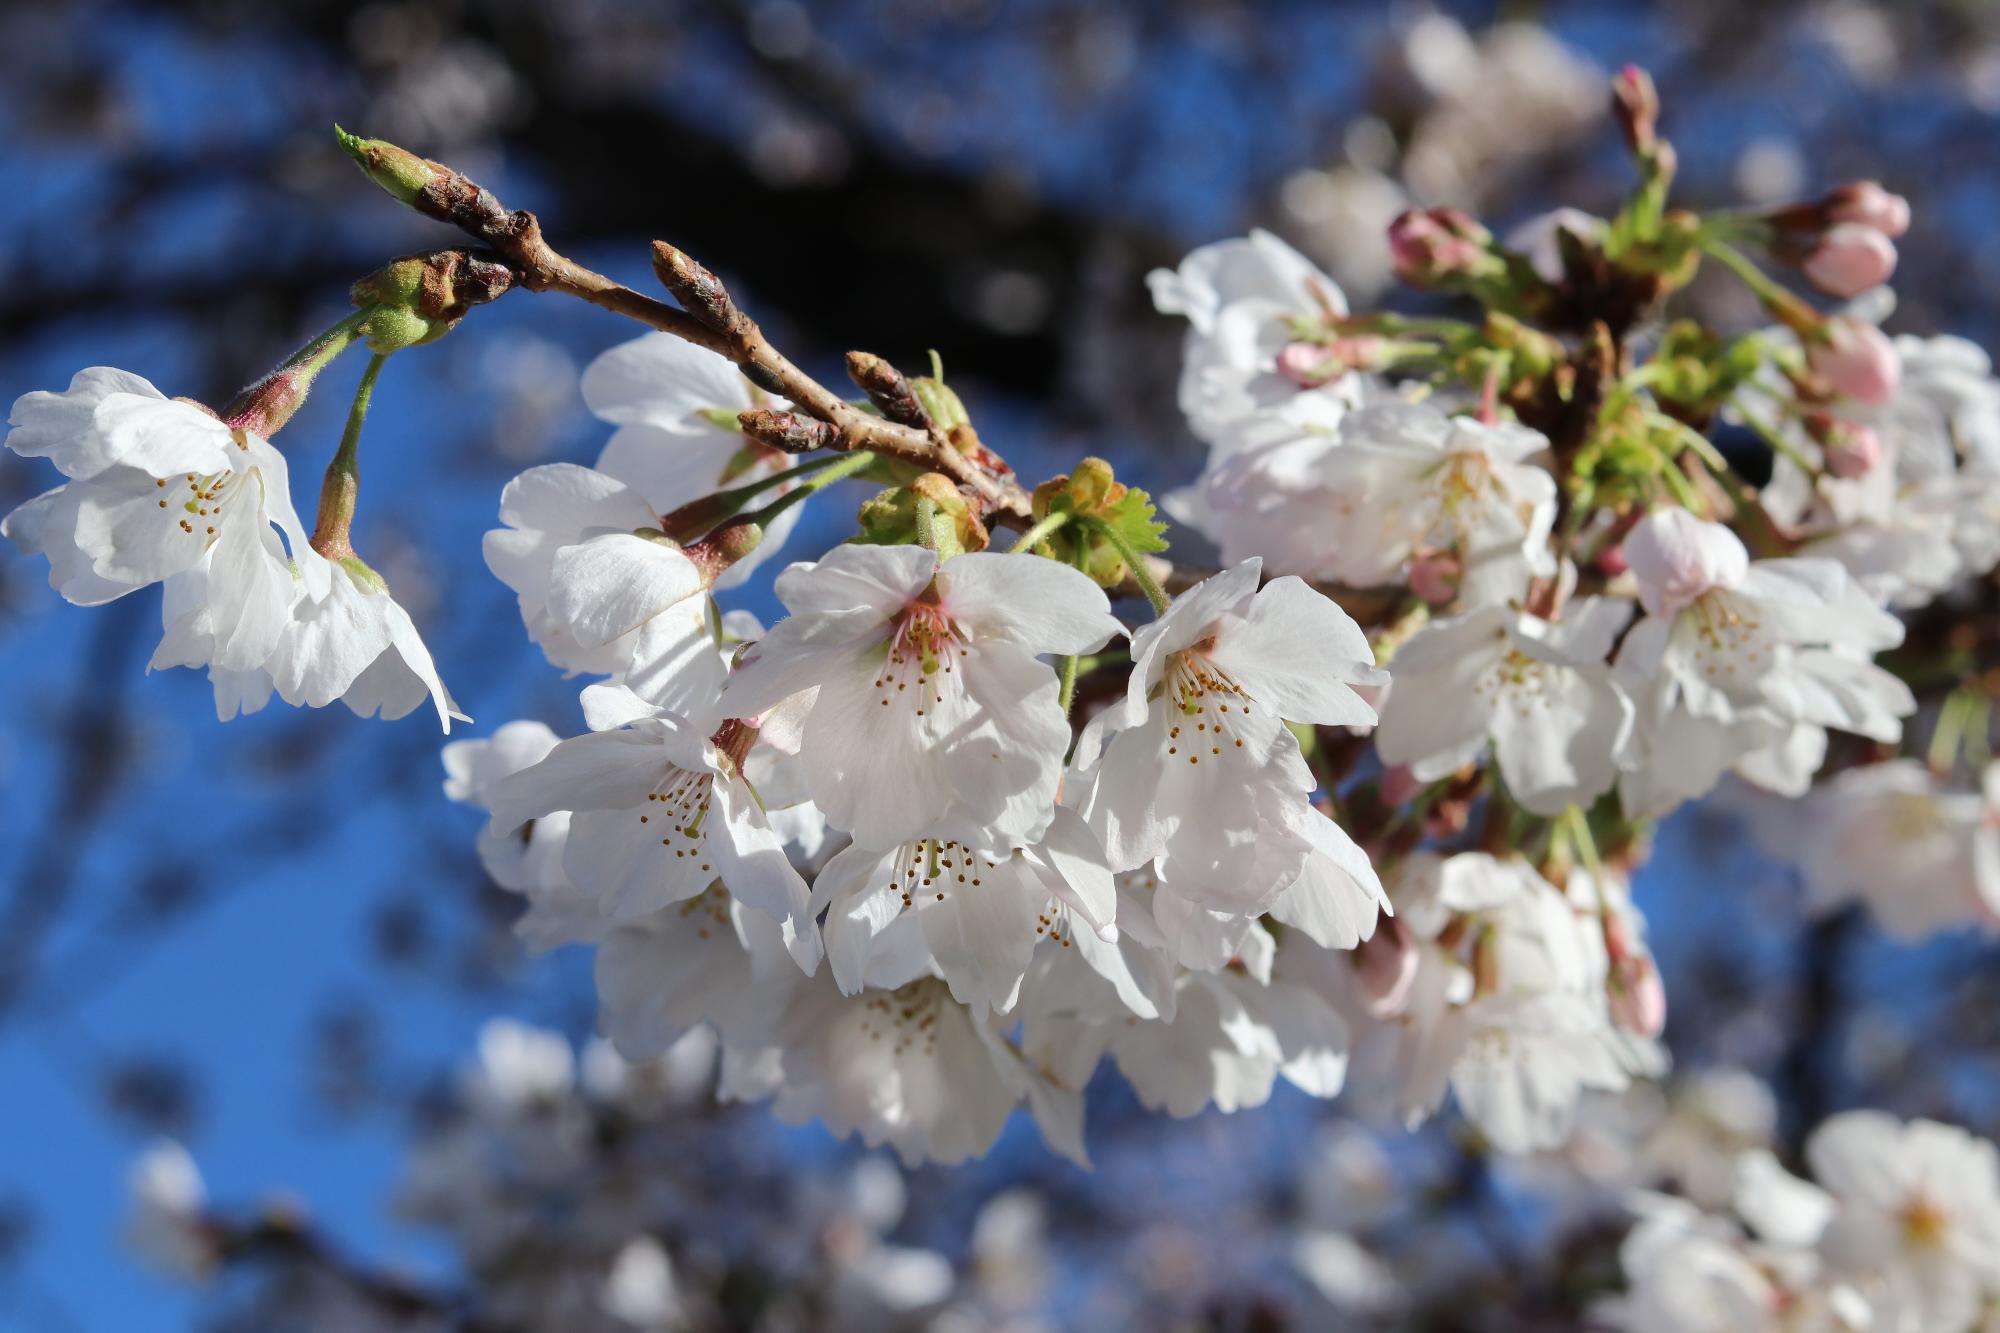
1850 259
1385 967
722 548
888 388
1611 560
1638 1000
1851 449
392 329
402 173
792 432
442 285
940 403
1636 103
1430 246
1869 205
1435 578
1856 360
699 291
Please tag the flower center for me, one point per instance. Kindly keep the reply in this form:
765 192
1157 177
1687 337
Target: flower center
907 1017
1924 1222
1913 816
201 503
1209 704
707 911
1728 636
925 648
677 808
930 869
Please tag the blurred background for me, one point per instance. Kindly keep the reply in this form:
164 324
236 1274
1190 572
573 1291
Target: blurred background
271 940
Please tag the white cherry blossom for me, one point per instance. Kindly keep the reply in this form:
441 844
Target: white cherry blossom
914 1069
1232 1034
1916 1208
981 914
1200 775
599 597
1416 480
1241 298
932 716
161 491
1539 694
1920 855
1733 658
659 810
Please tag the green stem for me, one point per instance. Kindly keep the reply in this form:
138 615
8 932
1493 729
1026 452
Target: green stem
1136 563
1950 730
1790 311
1040 533
341 489
729 501
1779 444
1684 492
1740 491
270 402
1066 689
840 468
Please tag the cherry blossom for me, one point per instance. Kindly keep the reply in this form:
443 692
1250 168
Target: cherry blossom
1200 775
161 491
981 915
1540 694
931 717
658 812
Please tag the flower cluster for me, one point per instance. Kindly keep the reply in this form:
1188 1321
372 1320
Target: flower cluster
1357 806
978 894
1899 1229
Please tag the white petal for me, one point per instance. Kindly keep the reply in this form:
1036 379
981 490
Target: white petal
1676 557
609 585
881 579
983 937
663 381
61 427
1297 653
1030 600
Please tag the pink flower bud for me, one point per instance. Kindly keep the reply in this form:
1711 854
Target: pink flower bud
1611 561
1399 784
1435 578
1869 205
1675 558
1638 1000
1851 449
1309 365
1385 967
1850 259
1636 103
1428 246
1857 360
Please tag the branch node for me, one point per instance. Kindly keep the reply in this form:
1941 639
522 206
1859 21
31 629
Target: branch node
699 291
888 388
793 433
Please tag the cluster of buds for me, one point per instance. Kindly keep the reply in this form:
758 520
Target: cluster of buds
1844 242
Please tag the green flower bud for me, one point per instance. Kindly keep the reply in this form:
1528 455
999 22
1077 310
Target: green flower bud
890 518
402 173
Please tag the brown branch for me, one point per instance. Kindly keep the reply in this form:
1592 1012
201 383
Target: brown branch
708 317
